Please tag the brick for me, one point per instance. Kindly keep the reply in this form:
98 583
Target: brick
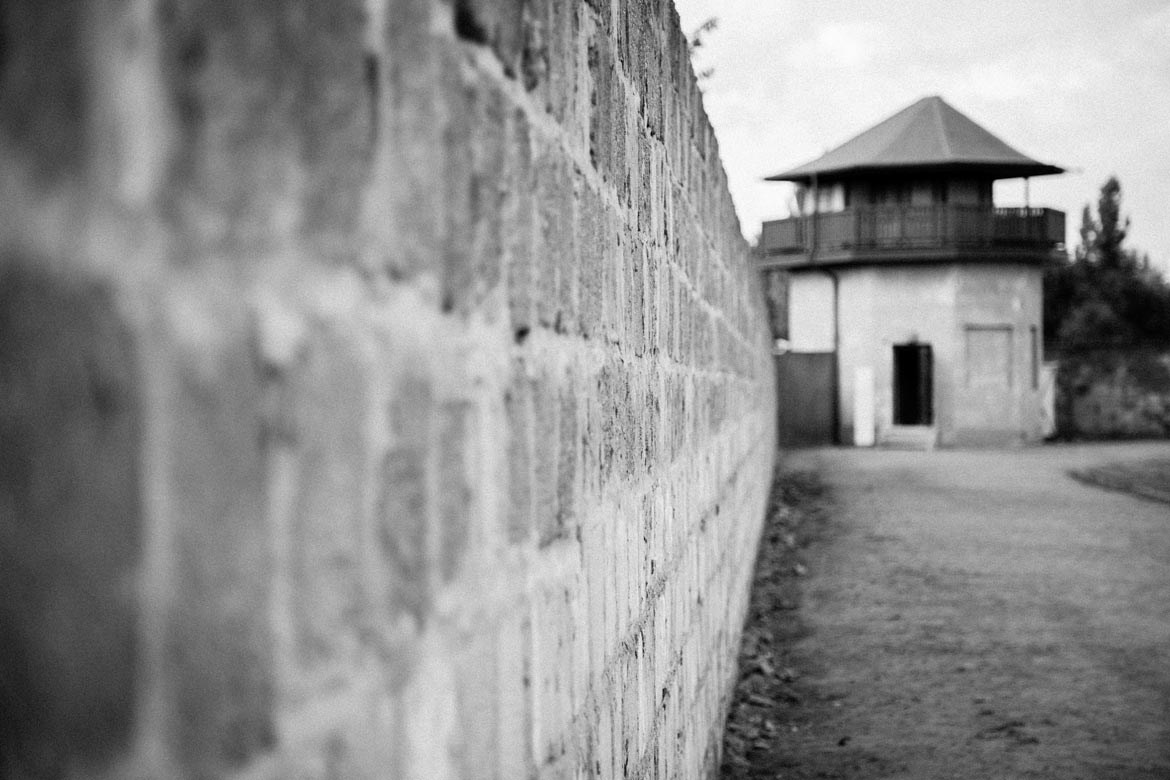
70 416
459 188
612 276
460 520
546 440
404 503
520 228
564 246
569 458
218 640
636 298
455 489
477 694
534 59
644 154
328 453
652 302
563 24
619 152
595 574
514 682
595 467
43 112
488 190
521 463
549 714
335 123
603 81
549 168
590 265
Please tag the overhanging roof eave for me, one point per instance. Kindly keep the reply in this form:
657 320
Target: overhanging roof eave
804 174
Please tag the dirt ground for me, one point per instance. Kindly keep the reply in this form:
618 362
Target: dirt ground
957 614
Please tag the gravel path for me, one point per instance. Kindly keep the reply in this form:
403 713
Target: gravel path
964 614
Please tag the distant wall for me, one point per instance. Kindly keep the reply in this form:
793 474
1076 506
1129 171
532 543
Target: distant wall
384 392
1113 394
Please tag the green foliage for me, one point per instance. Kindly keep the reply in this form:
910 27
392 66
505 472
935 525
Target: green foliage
1106 295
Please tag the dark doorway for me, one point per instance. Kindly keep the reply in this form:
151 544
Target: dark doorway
913 385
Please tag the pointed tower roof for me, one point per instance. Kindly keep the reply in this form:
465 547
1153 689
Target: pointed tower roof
929 135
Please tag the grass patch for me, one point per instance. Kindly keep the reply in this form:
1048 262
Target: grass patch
1149 479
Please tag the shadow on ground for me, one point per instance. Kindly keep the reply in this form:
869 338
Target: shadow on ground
770 696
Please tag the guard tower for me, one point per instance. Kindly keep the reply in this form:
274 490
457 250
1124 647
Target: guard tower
926 295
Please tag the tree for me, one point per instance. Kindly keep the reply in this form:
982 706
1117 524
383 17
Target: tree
1107 295
1102 237
696 41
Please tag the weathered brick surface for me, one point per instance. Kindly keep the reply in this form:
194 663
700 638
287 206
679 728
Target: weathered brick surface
384 393
71 521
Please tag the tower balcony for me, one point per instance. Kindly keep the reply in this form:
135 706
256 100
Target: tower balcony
891 234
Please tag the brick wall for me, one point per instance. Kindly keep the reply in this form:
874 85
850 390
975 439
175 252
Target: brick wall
384 392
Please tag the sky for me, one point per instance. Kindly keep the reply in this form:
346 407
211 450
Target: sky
1083 85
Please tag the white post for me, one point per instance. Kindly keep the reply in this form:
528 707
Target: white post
864 425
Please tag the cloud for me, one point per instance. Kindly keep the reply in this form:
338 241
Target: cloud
845 45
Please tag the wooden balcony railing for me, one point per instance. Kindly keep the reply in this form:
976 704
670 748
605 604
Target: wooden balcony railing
880 230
